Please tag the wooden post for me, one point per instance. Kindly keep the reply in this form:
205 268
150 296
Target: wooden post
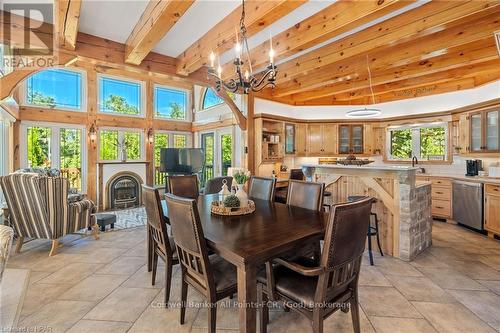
251 133
91 146
149 124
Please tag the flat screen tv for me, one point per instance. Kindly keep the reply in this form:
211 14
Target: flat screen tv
183 161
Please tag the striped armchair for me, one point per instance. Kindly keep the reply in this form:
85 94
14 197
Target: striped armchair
39 208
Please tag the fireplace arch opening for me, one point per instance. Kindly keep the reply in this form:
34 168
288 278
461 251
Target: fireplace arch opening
124 191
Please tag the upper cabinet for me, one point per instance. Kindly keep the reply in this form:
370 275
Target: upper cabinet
321 139
290 137
484 132
351 139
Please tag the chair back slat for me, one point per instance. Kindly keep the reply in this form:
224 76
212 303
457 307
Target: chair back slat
184 186
190 241
297 174
156 220
262 188
308 195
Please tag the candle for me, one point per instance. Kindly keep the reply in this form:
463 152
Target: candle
212 59
238 45
271 51
247 75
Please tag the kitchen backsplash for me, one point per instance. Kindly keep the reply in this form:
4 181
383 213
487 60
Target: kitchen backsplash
456 168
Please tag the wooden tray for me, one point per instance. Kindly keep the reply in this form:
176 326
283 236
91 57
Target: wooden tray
219 209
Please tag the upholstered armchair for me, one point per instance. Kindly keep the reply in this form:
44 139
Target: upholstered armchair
39 208
6 235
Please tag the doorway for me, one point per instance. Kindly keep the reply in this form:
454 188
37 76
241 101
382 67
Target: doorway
218 146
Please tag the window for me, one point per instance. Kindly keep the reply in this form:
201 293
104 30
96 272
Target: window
122 145
120 96
170 103
210 98
429 142
55 146
166 140
55 88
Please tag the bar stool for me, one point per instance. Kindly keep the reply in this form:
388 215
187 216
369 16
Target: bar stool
372 230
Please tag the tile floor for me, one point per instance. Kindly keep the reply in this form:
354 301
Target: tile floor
103 286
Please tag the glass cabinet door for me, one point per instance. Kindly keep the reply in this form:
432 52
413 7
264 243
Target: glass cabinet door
492 141
476 132
289 139
357 139
344 139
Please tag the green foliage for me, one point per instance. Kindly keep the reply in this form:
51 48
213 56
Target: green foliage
232 201
133 145
227 152
161 141
432 141
241 176
108 145
37 98
179 141
70 155
177 112
401 144
39 146
119 104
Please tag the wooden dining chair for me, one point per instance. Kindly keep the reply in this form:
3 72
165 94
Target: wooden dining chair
318 289
161 245
213 277
214 185
308 195
183 186
261 188
297 174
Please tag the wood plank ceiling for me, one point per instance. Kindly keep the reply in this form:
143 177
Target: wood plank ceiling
411 49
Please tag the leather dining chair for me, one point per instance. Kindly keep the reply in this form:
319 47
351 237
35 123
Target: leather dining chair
214 185
213 277
183 186
308 195
261 188
318 289
161 244
297 174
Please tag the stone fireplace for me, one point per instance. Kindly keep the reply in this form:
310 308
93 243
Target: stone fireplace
123 191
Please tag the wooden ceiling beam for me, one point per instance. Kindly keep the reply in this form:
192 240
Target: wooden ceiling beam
338 18
221 38
467 71
422 21
455 60
67 21
156 20
344 76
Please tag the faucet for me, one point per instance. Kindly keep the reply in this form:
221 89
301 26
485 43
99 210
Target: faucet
414 160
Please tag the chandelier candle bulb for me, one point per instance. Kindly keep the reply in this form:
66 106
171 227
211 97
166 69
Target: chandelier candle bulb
247 75
212 59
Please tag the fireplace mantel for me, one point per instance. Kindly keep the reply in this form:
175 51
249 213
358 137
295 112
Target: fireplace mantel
127 162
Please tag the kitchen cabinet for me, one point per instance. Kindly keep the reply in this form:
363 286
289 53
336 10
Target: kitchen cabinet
290 146
440 195
492 209
321 139
350 139
300 140
484 131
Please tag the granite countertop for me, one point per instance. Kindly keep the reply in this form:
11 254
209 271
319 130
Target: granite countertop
363 167
474 179
421 183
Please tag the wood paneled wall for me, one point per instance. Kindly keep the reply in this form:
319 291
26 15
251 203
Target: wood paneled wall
92 116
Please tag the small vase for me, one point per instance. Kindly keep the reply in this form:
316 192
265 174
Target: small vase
242 195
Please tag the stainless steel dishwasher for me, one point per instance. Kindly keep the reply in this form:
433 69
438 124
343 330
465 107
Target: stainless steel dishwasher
468 204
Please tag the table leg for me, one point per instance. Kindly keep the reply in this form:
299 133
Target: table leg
247 298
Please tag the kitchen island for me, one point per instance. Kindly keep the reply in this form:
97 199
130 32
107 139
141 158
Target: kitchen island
403 204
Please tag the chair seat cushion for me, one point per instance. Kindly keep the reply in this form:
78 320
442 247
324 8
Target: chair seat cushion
224 274
293 285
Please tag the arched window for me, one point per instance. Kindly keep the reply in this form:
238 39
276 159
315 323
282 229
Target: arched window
210 98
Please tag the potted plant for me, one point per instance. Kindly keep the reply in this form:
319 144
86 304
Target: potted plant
241 177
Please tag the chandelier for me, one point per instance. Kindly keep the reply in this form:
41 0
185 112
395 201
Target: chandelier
246 81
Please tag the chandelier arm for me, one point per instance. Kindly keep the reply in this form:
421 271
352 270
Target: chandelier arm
256 83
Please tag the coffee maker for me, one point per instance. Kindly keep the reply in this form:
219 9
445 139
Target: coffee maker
473 167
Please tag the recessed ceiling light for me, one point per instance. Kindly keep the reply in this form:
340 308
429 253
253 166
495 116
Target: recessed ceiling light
366 112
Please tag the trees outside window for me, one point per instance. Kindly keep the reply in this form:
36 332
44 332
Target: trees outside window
425 142
39 147
210 99
170 103
55 88
120 96
112 142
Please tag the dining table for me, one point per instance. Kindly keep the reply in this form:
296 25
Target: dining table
249 241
